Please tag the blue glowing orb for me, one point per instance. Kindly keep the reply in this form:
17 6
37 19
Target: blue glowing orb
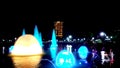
83 52
65 59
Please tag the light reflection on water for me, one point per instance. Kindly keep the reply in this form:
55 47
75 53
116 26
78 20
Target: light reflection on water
26 61
34 62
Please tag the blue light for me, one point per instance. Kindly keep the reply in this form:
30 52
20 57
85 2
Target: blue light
11 48
38 36
40 39
83 52
80 63
53 51
54 41
23 33
65 59
46 63
53 47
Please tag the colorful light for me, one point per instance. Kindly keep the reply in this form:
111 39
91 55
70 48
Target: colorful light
65 59
83 52
23 33
26 45
38 35
26 52
53 47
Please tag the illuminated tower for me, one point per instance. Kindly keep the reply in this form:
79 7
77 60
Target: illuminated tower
59 29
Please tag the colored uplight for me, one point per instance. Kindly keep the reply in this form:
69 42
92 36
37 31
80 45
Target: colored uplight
11 48
38 35
83 52
23 33
65 59
53 47
53 51
26 45
26 52
40 39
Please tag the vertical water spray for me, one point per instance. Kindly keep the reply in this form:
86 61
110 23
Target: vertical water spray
26 52
37 35
40 40
53 47
23 33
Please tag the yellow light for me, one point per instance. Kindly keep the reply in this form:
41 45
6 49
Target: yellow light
26 52
26 45
26 61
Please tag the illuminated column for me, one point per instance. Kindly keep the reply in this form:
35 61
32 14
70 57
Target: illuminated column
3 49
69 48
103 56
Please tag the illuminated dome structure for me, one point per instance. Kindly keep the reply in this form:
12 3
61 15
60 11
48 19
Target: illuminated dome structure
26 45
26 52
65 59
83 52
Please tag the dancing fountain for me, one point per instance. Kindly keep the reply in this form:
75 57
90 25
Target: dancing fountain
83 53
38 35
54 45
65 59
23 33
27 51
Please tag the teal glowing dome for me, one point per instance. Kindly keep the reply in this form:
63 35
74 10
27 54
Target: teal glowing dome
65 59
83 52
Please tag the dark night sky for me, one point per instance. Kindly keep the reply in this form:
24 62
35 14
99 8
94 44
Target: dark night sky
13 25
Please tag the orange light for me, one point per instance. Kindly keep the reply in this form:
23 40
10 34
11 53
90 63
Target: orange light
26 52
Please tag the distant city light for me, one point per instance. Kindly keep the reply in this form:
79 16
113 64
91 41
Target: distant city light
111 37
10 40
83 38
93 38
107 37
15 38
3 40
102 34
70 36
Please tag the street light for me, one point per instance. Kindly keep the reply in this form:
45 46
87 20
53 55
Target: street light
102 34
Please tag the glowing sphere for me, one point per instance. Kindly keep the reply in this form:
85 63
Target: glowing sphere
102 34
83 52
65 59
26 45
